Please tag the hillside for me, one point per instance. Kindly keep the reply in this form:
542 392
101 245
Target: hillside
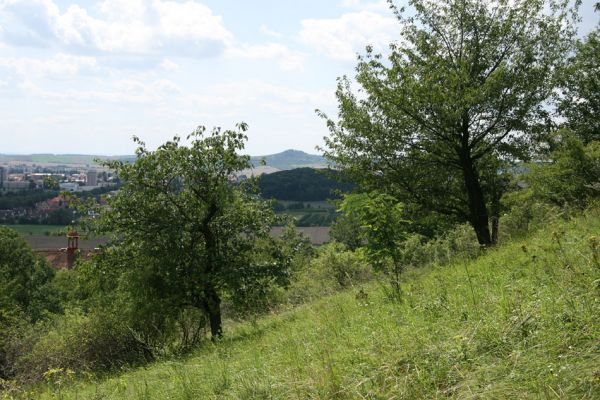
302 184
522 321
290 159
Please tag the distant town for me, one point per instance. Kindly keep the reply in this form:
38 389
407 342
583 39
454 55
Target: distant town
65 178
33 193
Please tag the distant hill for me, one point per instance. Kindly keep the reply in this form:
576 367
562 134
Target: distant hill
291 159
302 184
59 159
288 159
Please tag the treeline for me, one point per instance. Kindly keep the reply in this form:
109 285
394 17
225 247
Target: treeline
25 198
303 184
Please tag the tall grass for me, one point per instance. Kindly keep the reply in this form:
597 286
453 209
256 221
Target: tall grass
522 321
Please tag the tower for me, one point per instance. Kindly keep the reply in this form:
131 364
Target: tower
3 176
72 247
92 178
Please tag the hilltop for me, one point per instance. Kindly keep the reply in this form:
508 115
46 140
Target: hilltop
290 159
521 321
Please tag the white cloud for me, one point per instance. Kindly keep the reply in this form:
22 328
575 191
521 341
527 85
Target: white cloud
287 59
134 28
59 65
123 91
265 30
124 26
169 65
342 38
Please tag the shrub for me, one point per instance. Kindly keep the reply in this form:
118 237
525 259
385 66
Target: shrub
332 269
96 341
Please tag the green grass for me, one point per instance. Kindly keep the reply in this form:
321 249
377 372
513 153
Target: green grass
36 230
521 322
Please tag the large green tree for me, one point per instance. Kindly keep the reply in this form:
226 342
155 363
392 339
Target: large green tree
186 232
434 123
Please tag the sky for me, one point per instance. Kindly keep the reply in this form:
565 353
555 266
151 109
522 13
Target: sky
83 77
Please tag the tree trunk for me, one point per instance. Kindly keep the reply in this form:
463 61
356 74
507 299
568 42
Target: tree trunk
494 229
479 218
212 306
495 217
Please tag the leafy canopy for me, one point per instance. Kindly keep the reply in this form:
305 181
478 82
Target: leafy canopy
187 234
457 96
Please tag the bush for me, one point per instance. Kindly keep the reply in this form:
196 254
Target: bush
526 215
92 342
334 268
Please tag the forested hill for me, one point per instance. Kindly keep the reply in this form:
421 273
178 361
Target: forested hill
290 159
302 184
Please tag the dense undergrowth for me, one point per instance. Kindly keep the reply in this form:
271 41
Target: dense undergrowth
521 321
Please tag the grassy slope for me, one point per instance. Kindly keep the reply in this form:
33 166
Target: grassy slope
520 322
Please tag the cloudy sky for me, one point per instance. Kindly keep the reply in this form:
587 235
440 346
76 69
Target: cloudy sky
83 76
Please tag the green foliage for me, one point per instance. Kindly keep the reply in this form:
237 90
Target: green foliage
25 294
571 175
383 229
346 230
303 184
95 341
51 183
456 97
333 268
184 235
28 198
348 268
579 103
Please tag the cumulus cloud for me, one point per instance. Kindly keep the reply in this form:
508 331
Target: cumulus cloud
342 38
128 31
123 91
124 26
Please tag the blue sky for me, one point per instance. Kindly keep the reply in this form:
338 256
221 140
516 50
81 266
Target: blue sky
84 76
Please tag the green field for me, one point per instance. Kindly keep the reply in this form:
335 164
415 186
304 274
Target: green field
521 322
36 230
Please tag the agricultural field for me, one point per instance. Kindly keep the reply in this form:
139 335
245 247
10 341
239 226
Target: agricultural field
37 230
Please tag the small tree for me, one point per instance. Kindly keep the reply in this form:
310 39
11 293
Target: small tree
383 230
191 232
